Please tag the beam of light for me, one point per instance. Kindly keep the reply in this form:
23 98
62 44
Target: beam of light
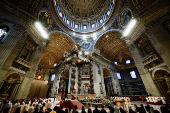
41 30
129 27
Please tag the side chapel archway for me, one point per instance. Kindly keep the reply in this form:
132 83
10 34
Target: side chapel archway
161 79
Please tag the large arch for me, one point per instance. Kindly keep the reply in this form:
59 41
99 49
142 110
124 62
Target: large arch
161 80
110 44
59 43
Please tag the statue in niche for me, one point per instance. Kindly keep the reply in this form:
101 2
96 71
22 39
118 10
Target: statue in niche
126 17
24 53
166 25
148 49
7 85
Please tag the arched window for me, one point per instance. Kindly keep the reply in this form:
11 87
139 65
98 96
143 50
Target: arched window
133 74
3 31
52 77
118 76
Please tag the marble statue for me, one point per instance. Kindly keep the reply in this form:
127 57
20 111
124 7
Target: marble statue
6 86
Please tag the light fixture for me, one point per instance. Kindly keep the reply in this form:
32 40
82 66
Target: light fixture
106 36
41 30
57 44
129 27
55 64
104 28
39 77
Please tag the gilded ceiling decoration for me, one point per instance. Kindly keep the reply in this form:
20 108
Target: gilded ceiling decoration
30 6
83 9
112 47
54 51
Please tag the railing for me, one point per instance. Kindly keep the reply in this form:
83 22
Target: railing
23 62
150 59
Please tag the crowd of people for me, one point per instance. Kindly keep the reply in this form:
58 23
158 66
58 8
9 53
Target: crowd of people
50 106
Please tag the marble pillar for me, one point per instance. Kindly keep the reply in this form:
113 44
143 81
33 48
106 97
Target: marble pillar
97 80
102 81
9 50
116 84
25 86
160 40
145 75
69 83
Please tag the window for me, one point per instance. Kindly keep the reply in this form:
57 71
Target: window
113 1
115 63
84 27
3 31
93 25
55 64
133 74
101 21
68 22
128 61
76 26
52 77
60 14
108 13
118 76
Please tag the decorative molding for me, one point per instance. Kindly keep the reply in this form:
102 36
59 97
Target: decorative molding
17 70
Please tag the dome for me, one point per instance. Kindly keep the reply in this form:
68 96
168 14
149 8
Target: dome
84 16
84 9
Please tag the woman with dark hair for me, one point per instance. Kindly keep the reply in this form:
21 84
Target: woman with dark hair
41 110
18 110
111 109
121 110
89 110
156 111
66 110
131 111
36 109
75 109
83 110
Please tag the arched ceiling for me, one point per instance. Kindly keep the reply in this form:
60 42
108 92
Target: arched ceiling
55 49
84 9
112 47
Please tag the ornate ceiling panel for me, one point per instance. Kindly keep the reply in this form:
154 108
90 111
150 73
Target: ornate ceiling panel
112 48
55 49
30 6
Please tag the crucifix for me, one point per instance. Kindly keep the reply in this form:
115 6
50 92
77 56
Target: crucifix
62 91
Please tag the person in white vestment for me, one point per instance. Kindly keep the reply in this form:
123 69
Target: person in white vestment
31 109
15 106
